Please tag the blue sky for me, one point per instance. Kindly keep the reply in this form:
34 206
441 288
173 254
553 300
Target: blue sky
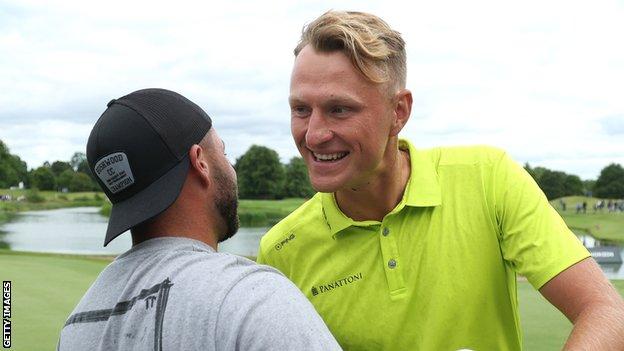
542 79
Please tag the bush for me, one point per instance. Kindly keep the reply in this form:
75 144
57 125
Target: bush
106 209
253 219
34 196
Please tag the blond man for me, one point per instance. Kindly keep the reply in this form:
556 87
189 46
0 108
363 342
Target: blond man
411 249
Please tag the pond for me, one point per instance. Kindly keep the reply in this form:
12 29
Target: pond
81 231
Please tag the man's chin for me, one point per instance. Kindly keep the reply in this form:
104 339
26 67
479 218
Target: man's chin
325 186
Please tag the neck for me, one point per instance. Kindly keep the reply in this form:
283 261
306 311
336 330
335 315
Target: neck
375 199
179 220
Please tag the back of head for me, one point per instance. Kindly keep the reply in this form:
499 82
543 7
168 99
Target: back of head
374 48
138 152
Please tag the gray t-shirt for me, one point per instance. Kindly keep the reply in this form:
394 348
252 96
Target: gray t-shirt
179 294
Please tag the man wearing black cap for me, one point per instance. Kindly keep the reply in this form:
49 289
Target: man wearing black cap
163 167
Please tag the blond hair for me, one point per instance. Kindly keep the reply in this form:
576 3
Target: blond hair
374 48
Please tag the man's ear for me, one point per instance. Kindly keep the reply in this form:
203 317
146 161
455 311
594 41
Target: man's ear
199 165
402 104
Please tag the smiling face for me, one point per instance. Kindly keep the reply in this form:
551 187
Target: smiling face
340 121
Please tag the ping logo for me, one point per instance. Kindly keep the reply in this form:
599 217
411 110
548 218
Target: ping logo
288 239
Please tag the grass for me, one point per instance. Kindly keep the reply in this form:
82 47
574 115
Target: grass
543 326
46 288
601 225
264 213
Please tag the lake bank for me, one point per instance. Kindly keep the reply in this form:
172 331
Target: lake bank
254 213
45 200
80 230
601 224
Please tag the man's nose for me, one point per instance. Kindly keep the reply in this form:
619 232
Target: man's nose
318 131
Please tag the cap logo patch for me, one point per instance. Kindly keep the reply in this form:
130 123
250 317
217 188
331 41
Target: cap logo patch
114 171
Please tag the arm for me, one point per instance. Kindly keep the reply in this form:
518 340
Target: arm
537 242
585 296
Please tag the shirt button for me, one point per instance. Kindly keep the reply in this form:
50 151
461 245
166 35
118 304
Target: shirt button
385 231
392 263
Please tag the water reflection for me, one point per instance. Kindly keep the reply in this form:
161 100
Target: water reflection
611 270
81 231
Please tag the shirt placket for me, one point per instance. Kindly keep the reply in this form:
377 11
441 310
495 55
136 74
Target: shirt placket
391 259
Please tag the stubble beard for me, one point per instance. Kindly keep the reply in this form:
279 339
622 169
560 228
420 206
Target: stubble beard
226 203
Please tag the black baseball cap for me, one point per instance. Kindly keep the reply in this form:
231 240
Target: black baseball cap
138 153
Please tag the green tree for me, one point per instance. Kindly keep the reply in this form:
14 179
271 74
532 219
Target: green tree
588 187
260 174
297 182
64 179
552 183
42 178
83 167
12 169
80 182
59 167
538 172
572 185
610 183
8 176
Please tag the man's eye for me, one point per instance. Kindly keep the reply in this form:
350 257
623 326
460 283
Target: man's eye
340 110
300 111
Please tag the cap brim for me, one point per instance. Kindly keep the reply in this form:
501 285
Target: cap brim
148 203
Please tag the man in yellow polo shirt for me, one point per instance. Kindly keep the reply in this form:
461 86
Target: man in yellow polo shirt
408 249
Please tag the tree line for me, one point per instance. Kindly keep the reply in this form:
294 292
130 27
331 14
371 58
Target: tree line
73 175
261 175
556 184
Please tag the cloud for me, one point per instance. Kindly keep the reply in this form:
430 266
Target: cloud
535 78
613 125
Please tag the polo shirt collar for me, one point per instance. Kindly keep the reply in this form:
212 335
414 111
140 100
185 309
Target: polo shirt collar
422 190
423 187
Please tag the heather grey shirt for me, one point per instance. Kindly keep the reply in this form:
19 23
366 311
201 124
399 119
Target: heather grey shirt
179 294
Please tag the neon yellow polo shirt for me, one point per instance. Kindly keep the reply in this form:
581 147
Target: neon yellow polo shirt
439 271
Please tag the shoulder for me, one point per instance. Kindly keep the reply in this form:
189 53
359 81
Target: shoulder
307 216
464 155
224 267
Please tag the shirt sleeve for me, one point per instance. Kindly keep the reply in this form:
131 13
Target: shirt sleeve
535 239
261 259
265 311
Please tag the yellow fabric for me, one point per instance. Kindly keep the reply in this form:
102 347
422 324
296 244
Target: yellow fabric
444 276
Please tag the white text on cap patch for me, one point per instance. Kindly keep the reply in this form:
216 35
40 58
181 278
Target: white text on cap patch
114 171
